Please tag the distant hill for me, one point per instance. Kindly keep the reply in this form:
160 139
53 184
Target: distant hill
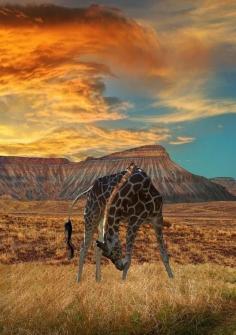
58 178
228 182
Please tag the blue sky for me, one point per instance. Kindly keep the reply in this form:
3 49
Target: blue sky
81 79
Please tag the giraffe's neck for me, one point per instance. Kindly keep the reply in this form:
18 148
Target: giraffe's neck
109 183
112 234
113 230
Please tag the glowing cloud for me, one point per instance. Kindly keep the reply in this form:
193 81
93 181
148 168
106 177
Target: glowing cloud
88 140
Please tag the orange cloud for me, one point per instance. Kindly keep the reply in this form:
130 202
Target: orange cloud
54 63
61 37
77 144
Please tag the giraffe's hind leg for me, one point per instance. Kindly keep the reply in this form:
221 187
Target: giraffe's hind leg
157 223
98 251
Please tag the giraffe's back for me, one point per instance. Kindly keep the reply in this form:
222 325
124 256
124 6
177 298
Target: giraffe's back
137 197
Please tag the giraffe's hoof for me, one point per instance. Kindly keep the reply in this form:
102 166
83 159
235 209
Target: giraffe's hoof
171 276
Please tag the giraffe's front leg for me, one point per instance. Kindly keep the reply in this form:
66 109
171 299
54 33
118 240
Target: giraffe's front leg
133 226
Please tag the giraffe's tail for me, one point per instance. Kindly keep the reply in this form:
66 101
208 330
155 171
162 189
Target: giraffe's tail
76 199
68 234
68 226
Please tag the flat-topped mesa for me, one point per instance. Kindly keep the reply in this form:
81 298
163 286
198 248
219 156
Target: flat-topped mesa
144 151
58 178
32 160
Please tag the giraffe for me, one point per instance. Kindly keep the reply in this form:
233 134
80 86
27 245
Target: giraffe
128 196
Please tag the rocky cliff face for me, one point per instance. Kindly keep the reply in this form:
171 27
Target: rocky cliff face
56 178
32 178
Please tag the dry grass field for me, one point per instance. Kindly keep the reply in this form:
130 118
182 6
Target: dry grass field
39 299
39 293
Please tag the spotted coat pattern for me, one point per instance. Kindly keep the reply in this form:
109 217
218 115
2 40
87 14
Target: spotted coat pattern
136 202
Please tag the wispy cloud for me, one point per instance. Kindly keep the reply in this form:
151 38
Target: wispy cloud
204 33
193 108
182 140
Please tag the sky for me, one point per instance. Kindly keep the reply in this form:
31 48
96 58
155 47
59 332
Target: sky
86 78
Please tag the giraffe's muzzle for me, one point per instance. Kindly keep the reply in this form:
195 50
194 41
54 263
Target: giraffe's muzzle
119 264
105 252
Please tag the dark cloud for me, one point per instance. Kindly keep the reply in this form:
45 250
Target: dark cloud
48 14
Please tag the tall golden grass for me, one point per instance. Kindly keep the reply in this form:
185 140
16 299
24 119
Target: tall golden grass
44 299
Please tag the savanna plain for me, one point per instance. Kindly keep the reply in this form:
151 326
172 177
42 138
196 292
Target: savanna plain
39 293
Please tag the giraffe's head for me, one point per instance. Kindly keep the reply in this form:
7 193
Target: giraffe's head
112 250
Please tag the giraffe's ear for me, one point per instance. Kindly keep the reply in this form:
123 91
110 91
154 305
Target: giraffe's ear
101 245
104 249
